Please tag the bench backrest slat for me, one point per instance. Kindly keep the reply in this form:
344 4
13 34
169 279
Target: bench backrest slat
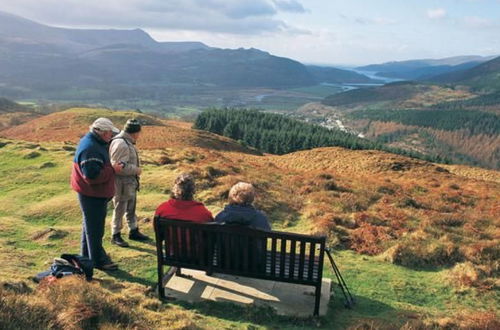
175 241
311 261
273 256
183 243
302 257
246 252
282 257
292 260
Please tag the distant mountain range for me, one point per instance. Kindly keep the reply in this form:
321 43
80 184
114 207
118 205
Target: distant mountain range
482 80
38 60
332 75
425 68
484 77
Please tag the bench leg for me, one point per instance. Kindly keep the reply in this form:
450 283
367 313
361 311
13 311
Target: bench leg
163 280
178 271
161 290
317 299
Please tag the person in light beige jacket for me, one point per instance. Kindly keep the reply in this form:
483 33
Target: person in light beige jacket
123 151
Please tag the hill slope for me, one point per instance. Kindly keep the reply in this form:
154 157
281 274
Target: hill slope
451 121
420 69
484 77
338 76
415 240
12 113
70 125
8 106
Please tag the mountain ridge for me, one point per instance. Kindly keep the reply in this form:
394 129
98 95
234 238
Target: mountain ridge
43 61
421 69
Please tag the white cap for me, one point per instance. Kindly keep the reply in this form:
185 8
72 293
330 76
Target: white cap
104 124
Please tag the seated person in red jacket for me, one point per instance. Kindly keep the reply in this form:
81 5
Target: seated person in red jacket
181 206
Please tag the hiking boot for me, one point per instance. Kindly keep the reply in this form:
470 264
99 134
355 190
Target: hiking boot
118 240
136 235
110 266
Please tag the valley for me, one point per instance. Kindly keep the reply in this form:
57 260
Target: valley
396 163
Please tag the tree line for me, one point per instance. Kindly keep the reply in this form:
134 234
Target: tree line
278 134
476 122
482 101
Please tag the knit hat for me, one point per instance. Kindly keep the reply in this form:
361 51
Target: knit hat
104 124
132 126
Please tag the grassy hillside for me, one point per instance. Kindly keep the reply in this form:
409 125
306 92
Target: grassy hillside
417 243
396 95
13 113
456 122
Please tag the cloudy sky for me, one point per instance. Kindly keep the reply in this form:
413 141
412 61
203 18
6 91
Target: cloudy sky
348 32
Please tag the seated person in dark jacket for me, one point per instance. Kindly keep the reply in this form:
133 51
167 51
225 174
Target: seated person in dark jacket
240 211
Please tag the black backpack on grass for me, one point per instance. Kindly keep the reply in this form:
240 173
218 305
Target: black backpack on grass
69 264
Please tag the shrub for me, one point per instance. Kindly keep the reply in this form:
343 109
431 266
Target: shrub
47 165
464 275
386 190
483 252
367 239
419 189
31 155
442 170
325 176
330 185
165 160
449 221
424 254
212 172
353 203
410 202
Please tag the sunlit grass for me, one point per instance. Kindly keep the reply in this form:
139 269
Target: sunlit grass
343 194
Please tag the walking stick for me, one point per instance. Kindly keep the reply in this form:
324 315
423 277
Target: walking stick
349 300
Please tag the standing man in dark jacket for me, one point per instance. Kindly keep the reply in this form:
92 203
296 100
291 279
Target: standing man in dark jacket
123 151
93 178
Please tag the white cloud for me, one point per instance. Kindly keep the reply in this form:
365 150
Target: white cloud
478 22
292 6
436 13
375 20
222 16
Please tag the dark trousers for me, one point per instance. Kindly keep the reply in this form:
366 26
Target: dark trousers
94 216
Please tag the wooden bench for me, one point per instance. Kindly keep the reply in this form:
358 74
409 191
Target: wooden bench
241 251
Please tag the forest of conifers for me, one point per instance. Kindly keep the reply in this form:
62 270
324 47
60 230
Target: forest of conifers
277 134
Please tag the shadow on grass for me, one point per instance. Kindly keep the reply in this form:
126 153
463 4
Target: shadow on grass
122 275
337 317
141 249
